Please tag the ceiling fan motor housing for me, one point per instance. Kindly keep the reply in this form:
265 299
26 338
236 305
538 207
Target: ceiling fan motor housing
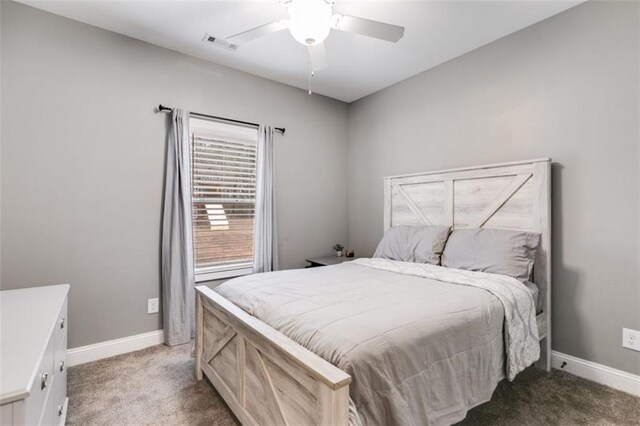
310 20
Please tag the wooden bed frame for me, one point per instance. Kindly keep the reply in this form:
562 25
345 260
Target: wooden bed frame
267 378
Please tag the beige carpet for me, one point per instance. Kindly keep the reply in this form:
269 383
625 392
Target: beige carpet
155 386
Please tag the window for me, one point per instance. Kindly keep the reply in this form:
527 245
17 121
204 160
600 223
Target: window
223 163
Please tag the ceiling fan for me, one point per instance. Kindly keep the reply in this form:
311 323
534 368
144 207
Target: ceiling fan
311 21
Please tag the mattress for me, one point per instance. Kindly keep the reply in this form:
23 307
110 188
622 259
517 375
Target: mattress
423 344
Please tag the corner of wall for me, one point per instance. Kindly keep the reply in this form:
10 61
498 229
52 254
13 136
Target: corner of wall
348 161
1 26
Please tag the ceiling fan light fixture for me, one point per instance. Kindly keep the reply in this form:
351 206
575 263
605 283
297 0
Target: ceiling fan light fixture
309 20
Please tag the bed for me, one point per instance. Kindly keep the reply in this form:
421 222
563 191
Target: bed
264 347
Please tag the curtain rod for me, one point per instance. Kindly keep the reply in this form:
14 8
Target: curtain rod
162 108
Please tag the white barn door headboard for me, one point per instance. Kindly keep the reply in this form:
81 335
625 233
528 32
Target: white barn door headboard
505 196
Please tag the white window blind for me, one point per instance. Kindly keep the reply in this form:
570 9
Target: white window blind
223 159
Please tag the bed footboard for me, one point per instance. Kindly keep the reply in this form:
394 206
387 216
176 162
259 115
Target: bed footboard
265 377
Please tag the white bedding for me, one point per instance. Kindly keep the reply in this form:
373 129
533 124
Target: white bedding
423 343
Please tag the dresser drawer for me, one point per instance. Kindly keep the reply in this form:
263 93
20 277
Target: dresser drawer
59 390
60 356
49 408
58 396
62 323
34 405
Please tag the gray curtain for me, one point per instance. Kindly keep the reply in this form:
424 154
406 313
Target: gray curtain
178 293
265 256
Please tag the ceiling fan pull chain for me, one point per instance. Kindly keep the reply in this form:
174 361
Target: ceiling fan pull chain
311 75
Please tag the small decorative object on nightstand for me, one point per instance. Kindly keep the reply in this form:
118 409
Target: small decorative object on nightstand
327 261
349 253
338 248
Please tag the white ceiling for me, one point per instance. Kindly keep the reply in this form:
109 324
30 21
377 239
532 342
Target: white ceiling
436 31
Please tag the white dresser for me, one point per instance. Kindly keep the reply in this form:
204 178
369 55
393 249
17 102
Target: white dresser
33 351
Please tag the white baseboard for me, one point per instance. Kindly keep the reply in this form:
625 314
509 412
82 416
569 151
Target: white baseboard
84 354
598 373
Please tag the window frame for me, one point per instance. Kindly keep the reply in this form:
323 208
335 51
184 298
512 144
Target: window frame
229 270
220 272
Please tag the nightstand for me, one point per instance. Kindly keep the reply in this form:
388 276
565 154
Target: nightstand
328 260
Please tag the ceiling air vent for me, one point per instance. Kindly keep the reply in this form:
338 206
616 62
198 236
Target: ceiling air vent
220 42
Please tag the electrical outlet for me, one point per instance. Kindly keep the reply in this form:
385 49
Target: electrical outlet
631 339
153 305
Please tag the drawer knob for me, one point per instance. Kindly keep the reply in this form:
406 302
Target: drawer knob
60 410
43 380
61 365
62 322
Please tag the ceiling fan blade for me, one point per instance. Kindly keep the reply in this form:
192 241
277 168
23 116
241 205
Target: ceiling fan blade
367 27
318 57
258 32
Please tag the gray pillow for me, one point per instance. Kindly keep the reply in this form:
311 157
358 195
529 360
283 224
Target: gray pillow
420 244
496 251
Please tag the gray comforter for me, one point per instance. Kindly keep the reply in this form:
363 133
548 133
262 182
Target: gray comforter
423 343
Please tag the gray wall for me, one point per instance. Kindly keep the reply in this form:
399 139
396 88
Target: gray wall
83 156
566 88
0 144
